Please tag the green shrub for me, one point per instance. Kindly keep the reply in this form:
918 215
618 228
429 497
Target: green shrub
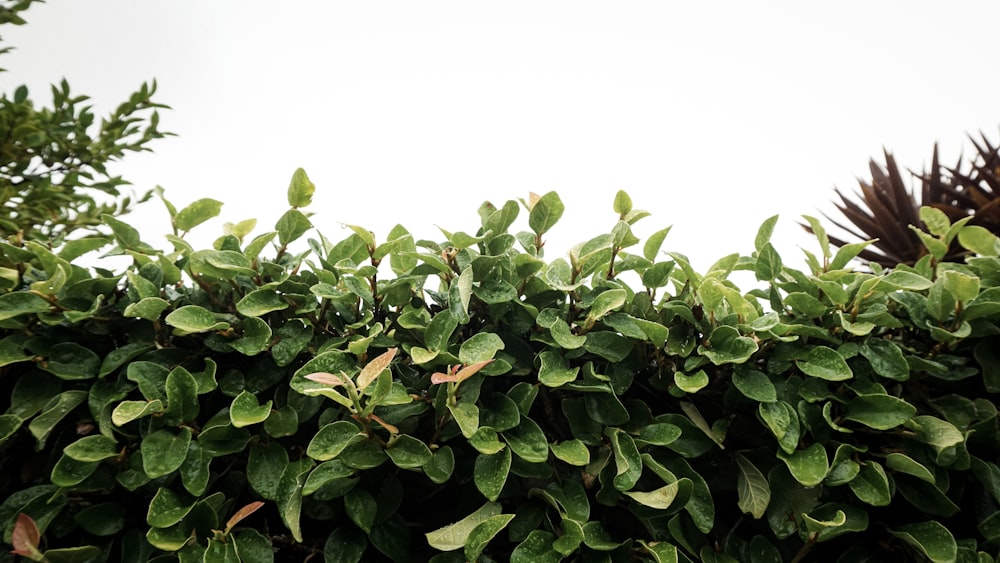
55 177
381 398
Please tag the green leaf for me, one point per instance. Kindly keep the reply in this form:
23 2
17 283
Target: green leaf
528 441
605 302
979 240
126 235
301 189
333 439
901 279
344 545
886 358
407 452
197 213
70 361
661 498
783 421
168 508
628 462
754 385
651 249
455 536
768 263
935 220
260 302
825 363
466 415
545 213
105 519
490 473
848 252
943 437
441 466
622 205
555 370
289 495
361 508
439 331
149 308
727 346
182 397
54 411
901 463
691 383
536 548
483 533
9 423
164 451
809 466
573 452
872 486
127 411
291 226
92 448
191 319
752 488
21 303
881 412
480 347
245 410
930 538
764 232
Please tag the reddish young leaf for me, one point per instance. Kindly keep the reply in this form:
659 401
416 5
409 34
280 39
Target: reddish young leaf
375 367
327 378
242 513
25 538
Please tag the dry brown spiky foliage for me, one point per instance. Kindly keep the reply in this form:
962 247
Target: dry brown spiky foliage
886 207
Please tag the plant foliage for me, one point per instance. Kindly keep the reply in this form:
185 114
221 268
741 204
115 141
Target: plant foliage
55 161
887 208
385 398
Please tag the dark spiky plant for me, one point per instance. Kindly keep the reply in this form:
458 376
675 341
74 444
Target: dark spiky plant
887 207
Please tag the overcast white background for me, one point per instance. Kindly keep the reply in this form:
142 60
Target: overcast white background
711 115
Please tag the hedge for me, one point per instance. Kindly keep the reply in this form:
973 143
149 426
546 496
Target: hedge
288 397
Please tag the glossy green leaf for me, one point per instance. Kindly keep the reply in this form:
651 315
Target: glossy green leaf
872 486
127 411
754 385
455 536
332 439
197 213
753 489
825 363
164 451
628 463
809 466
902 463
300 189
691 383
245 410
727 346
265 466
182 397
289 495
881 412
441 466
54 411
92 448
930 538
480 347
554 370
573 452
528 441
168 508
70 361
490 473
408 452
886 359
545 213
260 302
192 319
291 226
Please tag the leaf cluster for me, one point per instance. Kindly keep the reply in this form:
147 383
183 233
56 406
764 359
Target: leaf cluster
55 161
287 395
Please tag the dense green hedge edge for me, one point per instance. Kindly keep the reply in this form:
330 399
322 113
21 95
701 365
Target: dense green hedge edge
469 399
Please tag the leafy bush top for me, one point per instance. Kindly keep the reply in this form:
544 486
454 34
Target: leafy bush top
468 399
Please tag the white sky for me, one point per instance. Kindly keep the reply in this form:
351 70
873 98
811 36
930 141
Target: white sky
711 115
